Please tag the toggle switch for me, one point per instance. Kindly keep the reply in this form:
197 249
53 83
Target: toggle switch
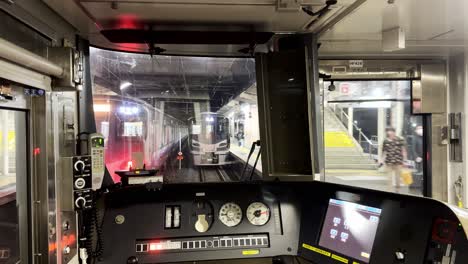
172 218
176 217
168 221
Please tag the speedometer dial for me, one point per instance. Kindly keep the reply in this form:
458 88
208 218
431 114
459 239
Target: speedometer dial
230 214
258 214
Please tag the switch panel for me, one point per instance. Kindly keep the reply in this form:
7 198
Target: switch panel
82 182
172 217
203 243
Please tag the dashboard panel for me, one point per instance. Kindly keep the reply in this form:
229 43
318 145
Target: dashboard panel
319 222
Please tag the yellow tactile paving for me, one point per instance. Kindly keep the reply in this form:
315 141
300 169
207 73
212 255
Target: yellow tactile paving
338 140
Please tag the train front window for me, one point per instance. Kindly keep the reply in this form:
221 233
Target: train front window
191 118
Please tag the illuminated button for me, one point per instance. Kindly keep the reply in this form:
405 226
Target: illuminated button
197 244
242 242
139 247
223 243
154 246
236 242
254 241
175 245
265 241
185 245
209 244
259 241
229 243
203 244
145 248
190 244
216 243
247 242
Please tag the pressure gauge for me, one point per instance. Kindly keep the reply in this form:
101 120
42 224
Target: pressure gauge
258 213
230 214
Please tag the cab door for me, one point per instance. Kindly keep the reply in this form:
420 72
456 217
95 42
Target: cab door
14 181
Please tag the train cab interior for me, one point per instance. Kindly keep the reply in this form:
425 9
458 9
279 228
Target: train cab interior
233 131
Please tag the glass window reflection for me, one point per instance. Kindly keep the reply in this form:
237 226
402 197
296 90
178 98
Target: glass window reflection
372 139
192 118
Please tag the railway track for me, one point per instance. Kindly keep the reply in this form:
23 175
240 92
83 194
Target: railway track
213 174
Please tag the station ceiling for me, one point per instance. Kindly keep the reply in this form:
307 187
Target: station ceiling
176 80
432 28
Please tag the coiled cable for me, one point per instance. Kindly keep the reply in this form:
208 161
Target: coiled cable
93 228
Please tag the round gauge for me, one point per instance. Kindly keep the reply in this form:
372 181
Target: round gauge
258 214
230 214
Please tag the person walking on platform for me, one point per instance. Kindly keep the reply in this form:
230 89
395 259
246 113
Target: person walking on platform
394 154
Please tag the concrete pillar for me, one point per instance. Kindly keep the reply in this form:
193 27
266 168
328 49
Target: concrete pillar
350 121
398 117
205 107
381 125
161 126
4 147
196 110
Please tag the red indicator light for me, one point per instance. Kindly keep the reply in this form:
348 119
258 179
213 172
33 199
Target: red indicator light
152 247
128 21
36 151
155 246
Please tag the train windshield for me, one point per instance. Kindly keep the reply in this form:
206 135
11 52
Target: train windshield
209 129
193 119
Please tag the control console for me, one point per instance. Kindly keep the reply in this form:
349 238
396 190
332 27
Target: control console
319 222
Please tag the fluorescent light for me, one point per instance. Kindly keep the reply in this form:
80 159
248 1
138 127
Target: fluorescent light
129 110
125 85
102 108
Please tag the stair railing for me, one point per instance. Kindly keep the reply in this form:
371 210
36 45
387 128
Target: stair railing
340 113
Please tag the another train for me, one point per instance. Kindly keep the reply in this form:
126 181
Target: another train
136 132
209 139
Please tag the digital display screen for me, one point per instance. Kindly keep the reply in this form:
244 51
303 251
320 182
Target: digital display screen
97 142
350 229
133 129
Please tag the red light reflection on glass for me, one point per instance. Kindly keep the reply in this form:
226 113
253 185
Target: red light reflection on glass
130 165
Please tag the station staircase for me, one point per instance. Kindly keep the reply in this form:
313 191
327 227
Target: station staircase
343 154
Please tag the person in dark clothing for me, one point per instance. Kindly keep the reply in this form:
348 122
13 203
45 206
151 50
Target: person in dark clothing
393 156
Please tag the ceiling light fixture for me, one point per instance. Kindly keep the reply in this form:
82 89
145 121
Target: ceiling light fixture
393 34
125 85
